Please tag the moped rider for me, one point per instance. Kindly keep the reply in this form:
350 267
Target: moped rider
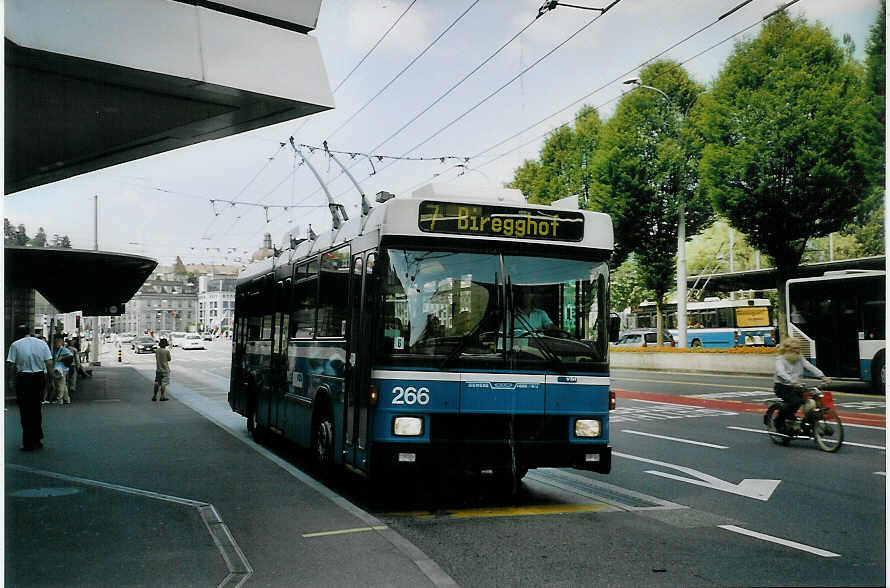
790 368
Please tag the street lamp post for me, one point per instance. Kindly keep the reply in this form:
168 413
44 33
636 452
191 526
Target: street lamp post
681 241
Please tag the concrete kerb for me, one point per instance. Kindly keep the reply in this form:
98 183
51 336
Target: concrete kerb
722 363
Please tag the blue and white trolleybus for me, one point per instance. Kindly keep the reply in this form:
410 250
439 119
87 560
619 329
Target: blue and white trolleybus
441 330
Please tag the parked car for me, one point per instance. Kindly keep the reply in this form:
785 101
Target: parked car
192 341
126 337
207 336
644 338
176 338
145 344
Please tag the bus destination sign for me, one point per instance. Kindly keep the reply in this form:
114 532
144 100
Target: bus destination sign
501 221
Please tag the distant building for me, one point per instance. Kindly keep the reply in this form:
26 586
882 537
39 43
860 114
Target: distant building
168 300
264 251
216 303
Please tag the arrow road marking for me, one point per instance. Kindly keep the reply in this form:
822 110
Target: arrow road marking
749 488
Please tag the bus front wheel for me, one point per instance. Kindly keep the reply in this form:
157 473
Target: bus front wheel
695 343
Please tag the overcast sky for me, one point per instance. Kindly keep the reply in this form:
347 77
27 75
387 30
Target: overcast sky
160 206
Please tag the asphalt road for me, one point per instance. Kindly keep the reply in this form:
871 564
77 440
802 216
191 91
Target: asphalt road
698 495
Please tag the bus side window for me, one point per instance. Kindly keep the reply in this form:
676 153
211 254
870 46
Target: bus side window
302 322
254 324
333 306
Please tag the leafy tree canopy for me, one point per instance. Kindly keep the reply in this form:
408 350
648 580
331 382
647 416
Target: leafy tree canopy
646 165
564 166
781 161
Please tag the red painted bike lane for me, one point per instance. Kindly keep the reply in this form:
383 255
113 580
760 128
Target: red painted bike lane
854 418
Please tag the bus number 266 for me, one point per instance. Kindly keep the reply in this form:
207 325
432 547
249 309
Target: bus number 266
411 395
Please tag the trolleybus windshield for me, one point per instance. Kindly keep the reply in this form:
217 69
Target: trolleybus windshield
487 310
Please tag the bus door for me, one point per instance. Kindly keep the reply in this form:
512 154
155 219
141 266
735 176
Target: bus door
358 378
278 368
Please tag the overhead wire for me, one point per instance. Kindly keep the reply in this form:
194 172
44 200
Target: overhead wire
678 65
406 68
362 60
495 92
620 77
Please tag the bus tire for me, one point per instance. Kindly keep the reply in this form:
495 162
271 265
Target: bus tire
323 440
879 373
696 343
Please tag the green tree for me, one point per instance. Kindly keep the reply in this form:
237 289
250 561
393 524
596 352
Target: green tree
564 166
65 243
8 232
868 225
39 239
781 161
21 236
645 168
626 288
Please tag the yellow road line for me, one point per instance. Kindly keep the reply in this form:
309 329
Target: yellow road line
507 511
345 531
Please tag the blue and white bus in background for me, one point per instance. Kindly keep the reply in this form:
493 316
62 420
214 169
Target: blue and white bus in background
840 320
446 330
717 322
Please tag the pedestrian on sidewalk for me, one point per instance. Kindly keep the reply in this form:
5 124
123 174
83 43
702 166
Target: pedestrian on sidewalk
163 357
32 360
62 360
75 365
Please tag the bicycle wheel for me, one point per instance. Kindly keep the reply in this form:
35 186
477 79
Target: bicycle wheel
828 431
769 420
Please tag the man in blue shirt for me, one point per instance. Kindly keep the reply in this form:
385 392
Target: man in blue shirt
528 316
32 360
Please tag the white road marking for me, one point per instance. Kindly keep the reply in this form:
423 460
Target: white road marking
779 540
675 439
734 394
845 442
344 531
881 474
663 411
865 426
749 488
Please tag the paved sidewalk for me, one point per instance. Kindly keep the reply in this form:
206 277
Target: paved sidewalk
132 492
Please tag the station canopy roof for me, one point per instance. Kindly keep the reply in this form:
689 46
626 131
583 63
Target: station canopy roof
95 282
765 279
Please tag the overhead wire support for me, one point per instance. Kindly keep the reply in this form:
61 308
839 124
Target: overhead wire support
548 6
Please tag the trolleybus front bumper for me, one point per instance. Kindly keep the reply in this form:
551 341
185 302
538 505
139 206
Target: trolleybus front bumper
485 455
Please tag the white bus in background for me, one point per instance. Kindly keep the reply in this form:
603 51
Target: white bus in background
717 323
839 317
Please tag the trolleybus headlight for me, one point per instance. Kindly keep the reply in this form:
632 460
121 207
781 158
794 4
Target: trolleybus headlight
407 426
587 428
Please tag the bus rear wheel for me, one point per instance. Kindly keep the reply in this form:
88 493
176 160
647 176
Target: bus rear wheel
696 343
879 374
323 443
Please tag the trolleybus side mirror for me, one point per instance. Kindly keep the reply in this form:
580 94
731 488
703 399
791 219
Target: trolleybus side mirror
614 328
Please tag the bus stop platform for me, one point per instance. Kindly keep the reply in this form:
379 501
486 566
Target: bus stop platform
127 491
